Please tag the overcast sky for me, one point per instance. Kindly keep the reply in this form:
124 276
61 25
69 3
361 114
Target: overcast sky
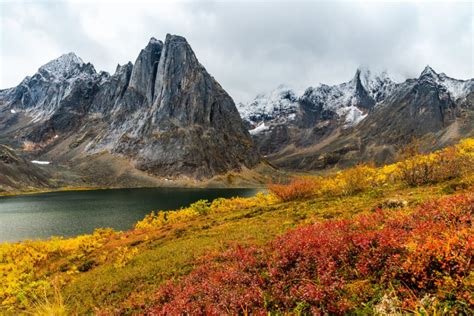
248 46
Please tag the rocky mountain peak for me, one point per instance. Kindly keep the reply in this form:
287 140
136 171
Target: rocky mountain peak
428 72
176 118
121 68
457 89
179 74
165 113
63 66
368 76
429 76
372 82
178 48
154 41
177 51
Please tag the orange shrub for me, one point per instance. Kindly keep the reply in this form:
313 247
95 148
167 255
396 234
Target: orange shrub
298 188
455 162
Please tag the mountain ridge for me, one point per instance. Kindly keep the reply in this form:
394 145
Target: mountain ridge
334 125
164 113
169 118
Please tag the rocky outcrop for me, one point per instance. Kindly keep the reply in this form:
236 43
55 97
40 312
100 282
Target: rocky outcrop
143 76
165 113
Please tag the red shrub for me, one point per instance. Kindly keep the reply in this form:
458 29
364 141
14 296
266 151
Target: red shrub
314 268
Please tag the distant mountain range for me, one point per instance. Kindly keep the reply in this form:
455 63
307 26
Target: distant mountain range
368 118
165 116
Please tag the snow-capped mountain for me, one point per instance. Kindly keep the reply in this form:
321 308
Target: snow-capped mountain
349 101
277 106
65 66
458 89
167 116
268 106
60 80
370 104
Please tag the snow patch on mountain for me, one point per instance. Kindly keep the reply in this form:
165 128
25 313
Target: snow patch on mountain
457 88
279 104
377 84
38 162
259 129
352 115
366 89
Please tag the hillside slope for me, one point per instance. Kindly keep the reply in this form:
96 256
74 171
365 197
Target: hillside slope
19 174
124 272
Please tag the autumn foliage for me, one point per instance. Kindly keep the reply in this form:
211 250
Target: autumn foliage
299 188
423 259
415 169
384 261
202 208
20 262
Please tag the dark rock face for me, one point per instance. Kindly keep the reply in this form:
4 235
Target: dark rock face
143 75
192 124
165 113
416 108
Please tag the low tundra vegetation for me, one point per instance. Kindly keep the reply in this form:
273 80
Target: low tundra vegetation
24 266
363 240
421 258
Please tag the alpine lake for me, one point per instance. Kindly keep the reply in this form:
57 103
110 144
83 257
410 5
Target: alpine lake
72 213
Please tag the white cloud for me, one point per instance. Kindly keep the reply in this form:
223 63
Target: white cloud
248 46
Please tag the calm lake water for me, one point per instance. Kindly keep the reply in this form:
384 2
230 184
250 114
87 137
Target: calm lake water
79 212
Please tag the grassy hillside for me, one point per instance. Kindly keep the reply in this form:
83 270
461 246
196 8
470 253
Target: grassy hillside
390 239
17 172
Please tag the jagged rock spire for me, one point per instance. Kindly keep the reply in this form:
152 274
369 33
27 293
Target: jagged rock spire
144 71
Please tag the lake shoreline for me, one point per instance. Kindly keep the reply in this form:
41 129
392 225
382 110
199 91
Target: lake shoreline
92 188
62 189
71 212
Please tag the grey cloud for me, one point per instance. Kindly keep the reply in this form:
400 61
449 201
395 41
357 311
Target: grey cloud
252 46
